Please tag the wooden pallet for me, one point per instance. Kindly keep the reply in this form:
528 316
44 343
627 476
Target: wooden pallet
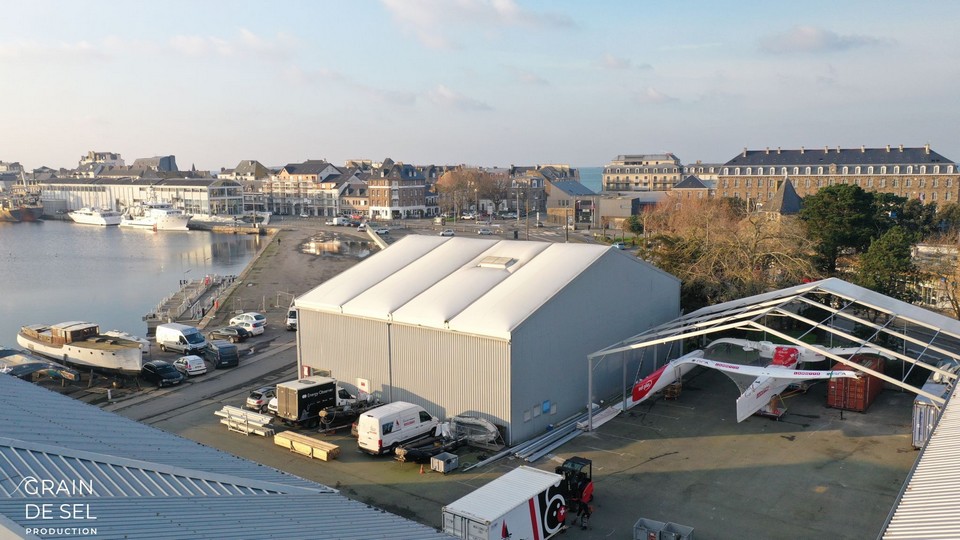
672 391
308 446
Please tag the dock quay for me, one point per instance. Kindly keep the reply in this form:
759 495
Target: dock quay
192 302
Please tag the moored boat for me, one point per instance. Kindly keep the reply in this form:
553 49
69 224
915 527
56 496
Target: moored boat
16 209
155 216
95 216
81 344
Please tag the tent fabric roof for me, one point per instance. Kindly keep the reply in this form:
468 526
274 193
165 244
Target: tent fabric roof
439 282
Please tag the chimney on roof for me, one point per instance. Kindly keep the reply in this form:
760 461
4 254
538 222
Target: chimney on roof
744 151
901 148
801 149
926 148
863 149
778 150
888 148
826 149
768 150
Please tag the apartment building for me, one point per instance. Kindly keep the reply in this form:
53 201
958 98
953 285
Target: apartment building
642 172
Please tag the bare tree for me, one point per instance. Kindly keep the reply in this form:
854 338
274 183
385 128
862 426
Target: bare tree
721 253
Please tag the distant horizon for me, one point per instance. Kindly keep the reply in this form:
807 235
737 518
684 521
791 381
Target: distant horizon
487 82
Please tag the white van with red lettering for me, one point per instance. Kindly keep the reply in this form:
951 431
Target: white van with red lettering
381 430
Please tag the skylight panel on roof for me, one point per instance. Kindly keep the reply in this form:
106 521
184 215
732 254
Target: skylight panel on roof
496 262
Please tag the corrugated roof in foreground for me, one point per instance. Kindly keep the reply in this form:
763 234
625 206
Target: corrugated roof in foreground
141 482
477 286
928 505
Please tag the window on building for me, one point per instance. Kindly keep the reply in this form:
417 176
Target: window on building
869 182
883 182
806 183
936 169
896 169
936 182
923 169
846 169
819 182
736 171
806 170
922 182
796 170
933 196
749 170
747 183
906 183
893 183
726 170
946 196
819 170
909 169
736 182
726 184
783 171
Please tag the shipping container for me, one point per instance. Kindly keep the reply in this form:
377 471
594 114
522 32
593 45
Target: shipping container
856 394
524 503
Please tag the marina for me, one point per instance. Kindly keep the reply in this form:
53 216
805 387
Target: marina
57 271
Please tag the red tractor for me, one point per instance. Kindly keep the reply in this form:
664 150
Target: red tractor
577 486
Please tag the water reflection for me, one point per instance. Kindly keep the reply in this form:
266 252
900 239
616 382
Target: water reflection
332 244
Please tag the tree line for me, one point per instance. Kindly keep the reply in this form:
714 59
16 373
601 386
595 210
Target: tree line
721 251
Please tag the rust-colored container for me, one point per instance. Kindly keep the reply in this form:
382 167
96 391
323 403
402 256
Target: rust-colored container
856 394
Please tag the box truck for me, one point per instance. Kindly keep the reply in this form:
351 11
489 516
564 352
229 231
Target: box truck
301 402
180 338
524 503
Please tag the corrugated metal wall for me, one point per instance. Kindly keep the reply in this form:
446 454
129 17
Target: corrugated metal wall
349 347
612 300
446 373
450 373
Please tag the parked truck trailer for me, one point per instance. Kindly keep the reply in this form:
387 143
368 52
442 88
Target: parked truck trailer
524 503
301 402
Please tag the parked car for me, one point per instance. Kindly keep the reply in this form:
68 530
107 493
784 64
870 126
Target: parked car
304 215
292 318
446 232
382 231
618 245
233 334
259 399
161 373
191 365
273 405
539 224
485 232
257 322
254 329
361 227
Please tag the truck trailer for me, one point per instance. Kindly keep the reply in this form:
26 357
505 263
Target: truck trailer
524 503
301 402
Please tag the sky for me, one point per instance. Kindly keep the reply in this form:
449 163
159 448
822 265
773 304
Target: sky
480 82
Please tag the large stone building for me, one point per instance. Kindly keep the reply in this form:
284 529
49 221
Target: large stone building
642 172
914 173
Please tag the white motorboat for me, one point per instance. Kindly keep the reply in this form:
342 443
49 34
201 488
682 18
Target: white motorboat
103 217
156 216
81 344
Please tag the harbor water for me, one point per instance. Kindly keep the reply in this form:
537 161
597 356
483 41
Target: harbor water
58 271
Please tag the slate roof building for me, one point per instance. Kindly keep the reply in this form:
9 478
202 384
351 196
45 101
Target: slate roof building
496 328
914 173
123 479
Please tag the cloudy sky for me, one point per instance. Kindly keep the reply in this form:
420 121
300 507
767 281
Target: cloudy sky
484 82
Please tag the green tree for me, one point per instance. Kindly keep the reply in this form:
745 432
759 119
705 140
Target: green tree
948 218
917 218
838 217
887 266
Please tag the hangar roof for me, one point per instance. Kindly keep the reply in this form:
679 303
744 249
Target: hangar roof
476 286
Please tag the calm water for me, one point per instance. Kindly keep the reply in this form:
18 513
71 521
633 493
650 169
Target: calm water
592 178
58 271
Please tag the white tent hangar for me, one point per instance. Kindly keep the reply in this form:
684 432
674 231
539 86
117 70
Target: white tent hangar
481 326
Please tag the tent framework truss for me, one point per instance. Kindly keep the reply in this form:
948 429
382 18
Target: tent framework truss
836 313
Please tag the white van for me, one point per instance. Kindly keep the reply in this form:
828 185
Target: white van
180 338
382 429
